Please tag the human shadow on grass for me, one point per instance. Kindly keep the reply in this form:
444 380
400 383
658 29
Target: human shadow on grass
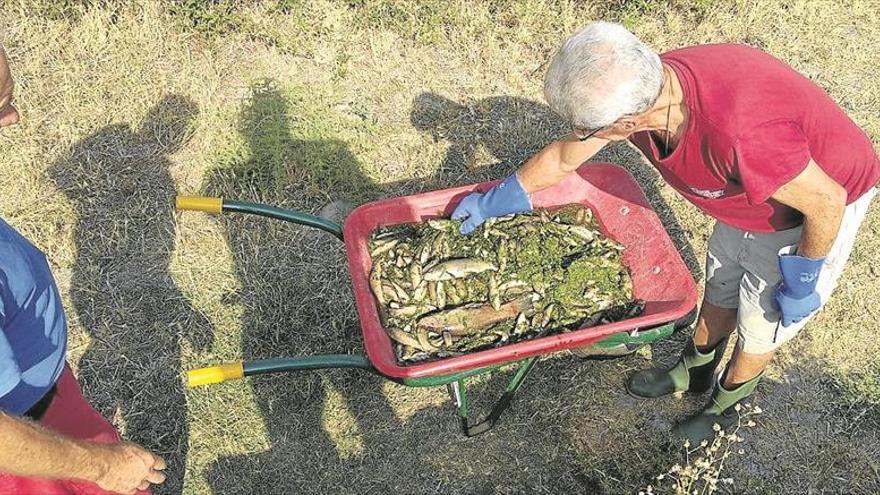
336 431
124 297
295 298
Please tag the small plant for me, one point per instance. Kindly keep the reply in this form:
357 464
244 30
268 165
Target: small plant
701 472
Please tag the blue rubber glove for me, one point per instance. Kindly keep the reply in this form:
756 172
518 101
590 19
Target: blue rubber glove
505 198
796 295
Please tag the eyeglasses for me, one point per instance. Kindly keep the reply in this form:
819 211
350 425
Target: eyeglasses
577 132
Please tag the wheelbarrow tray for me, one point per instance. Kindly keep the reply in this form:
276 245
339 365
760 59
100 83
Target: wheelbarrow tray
659 276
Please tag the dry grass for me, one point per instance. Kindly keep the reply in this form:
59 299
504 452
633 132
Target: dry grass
299 104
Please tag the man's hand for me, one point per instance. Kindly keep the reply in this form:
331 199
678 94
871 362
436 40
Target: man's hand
127 468
796 295
544 169
505 198
822 202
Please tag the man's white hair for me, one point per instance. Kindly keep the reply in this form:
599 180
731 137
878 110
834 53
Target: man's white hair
600 74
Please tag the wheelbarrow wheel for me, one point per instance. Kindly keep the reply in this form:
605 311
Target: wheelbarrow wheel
624 344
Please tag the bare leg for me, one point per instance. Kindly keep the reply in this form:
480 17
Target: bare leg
745 366
713 325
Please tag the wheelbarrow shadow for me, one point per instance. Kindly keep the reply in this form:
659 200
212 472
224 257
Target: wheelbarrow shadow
123 295
344 431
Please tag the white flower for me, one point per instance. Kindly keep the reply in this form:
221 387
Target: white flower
716 427
751 423
758 410
737 407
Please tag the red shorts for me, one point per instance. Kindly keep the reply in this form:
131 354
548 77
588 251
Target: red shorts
68 414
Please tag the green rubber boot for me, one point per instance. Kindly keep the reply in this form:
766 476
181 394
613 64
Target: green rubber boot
720 410
693 373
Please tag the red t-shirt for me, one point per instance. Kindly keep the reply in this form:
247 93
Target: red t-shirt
753 125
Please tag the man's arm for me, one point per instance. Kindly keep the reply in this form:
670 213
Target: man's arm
556 161
822 202
29 450
32 451
512 195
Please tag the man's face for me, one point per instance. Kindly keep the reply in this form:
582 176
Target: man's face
8 113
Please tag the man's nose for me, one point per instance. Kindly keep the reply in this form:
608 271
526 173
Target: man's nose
8 116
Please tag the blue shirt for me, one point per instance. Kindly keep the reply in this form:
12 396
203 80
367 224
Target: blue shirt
33 330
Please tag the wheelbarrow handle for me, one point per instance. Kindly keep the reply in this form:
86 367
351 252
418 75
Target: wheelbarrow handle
240 369
217 205
215 374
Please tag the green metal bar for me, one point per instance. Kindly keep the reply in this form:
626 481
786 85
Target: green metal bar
459 395
437 380
642 337
283 214
282 365
458 390
521 375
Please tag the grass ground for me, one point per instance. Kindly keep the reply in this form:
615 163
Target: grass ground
303 103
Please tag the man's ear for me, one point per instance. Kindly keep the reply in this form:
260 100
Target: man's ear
626 125
620 129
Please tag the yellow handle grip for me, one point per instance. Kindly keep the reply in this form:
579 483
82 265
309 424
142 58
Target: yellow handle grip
215 374
199 203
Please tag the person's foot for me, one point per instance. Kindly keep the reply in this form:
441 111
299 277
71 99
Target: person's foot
693 373
720 410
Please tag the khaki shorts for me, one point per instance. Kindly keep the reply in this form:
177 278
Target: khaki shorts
742 271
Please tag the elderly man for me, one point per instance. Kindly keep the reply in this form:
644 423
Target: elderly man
52 441
786 174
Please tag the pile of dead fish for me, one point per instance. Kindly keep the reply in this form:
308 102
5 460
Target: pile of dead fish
442 294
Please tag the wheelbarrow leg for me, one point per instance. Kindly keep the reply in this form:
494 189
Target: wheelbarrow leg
458 391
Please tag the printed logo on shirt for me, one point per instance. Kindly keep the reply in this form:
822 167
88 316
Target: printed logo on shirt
707 193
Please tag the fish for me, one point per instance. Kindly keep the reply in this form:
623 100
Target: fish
415 274
440 294
585 233
376 283
425 343
420 292
410 311
404 338
444 225
502 255
402 296
494 294
457 268
472 318
383 246
440 301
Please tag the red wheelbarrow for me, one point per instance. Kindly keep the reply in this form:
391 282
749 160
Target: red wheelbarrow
659 276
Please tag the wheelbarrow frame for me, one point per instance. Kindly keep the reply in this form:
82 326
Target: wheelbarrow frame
455 380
